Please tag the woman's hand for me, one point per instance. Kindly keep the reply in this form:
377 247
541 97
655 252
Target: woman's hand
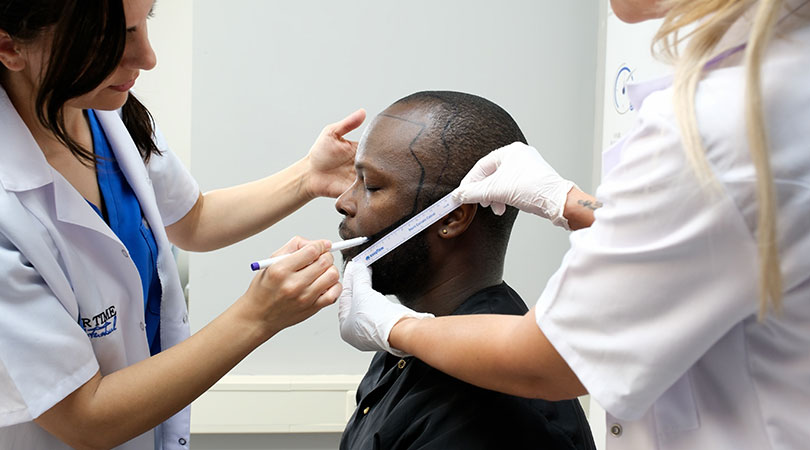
294 288
331 158
518 176
108 410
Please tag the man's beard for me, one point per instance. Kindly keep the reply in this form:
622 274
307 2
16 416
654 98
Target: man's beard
403 272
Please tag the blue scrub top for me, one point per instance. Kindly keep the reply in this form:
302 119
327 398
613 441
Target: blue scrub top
122 212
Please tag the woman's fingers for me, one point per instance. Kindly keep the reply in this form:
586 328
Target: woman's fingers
300 253
308 272
349 123
295 244
316 267
319 290
329 297
295 288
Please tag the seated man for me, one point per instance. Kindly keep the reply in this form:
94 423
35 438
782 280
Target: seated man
412 154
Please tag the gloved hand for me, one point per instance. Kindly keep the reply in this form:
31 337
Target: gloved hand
516 175
366 316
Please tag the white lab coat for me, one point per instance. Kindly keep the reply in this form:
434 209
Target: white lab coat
655 305
62 267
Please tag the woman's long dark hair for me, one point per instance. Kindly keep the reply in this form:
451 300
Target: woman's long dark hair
88 39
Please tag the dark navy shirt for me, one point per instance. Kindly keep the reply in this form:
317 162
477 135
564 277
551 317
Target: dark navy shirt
405 404
122 212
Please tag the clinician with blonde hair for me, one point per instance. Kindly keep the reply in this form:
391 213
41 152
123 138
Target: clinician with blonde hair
683 304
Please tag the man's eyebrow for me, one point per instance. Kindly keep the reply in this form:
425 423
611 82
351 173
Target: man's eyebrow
365 167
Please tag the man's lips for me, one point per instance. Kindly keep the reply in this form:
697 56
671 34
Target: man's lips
346 234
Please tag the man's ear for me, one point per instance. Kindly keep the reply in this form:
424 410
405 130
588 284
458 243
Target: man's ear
9 53
457 222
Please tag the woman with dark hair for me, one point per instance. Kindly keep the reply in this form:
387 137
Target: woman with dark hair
94 346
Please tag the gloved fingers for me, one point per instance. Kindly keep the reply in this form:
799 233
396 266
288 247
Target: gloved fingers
346 295
475 192
498 208
356 281
518 148
458 194
358 274
483 168
344 302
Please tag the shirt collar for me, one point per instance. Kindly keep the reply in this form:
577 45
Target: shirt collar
24 165
639 91
497 299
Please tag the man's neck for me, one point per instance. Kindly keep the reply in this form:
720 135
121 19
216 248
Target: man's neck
453 283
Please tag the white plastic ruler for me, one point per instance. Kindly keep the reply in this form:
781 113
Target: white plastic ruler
408 230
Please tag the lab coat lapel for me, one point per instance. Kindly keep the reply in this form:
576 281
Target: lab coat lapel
134 169
25 169
72 208
24 166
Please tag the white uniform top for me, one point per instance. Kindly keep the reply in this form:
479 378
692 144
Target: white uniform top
61 266
655 305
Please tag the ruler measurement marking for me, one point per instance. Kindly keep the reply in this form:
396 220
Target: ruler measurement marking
407 230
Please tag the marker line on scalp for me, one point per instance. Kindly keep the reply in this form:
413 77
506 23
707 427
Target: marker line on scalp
336 247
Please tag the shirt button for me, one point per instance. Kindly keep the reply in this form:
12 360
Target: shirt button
616 430
125 253
143 326
366 410
401 364
181 441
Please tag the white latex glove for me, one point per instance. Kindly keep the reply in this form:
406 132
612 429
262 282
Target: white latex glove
366 316
516 175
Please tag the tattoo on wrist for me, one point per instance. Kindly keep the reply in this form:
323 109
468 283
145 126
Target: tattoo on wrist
590 205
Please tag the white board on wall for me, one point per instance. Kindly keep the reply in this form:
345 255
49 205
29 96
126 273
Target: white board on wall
268 75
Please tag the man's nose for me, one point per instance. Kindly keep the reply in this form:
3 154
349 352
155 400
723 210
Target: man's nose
344 204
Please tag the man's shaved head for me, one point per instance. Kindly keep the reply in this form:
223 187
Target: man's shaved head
462 128
412 154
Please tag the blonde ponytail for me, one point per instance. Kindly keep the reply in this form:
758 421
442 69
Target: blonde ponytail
711 20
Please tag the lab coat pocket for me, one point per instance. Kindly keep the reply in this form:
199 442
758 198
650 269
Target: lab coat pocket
676 411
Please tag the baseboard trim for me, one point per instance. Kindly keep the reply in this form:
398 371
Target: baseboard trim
276 404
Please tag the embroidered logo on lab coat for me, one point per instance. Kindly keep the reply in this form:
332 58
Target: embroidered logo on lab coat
101 324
